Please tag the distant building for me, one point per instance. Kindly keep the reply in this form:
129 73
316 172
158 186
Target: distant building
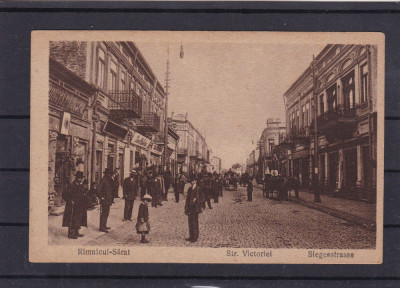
193 152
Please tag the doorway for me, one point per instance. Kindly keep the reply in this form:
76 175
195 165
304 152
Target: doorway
98 168
333 171
121 167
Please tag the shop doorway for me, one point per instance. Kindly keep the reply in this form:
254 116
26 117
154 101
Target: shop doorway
333 172
350 178
98 168
367 177
121 168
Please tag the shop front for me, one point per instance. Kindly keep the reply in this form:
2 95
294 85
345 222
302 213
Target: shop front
69 130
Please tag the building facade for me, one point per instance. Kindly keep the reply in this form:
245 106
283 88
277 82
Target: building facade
340 87
114 104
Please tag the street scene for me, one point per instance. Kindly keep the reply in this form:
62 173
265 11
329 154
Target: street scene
233 145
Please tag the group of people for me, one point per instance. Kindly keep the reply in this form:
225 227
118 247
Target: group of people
151 186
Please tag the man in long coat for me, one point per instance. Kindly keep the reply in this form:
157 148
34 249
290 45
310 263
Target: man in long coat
205 185
214 187
105 190
130 190
115 183
75 214
167 184
194 202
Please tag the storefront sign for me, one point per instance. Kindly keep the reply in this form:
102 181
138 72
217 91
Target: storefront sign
66 100
140 140
65 123
156 149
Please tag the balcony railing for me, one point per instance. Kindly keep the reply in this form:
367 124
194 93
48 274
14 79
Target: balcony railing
150 122
182 151
124 104
338 113
338 123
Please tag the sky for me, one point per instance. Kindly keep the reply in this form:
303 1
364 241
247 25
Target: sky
229 90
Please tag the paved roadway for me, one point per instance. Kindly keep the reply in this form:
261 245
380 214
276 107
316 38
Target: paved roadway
237 223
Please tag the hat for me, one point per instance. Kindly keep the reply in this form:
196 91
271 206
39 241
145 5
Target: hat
79 175
108 171
146 197
133 172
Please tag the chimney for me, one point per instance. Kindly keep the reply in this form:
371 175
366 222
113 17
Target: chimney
172 115
186 116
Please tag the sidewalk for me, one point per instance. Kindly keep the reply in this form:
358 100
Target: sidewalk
58 234
361 213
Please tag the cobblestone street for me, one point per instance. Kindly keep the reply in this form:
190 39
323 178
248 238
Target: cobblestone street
237 223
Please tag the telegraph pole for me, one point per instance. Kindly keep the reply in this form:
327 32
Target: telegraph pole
165 156
317 197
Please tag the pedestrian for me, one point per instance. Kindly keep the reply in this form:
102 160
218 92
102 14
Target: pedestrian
214 187
130 191
92 196
183 183
150 187
167 183
115 184
105 189
75 214
177 187
205 186
250 189
221 183
142 223
194 202
142 183
156 191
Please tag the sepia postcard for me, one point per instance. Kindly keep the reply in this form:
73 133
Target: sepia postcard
207 147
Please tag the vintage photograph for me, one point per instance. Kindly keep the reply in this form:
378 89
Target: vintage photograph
196 147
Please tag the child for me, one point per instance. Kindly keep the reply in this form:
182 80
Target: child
143 224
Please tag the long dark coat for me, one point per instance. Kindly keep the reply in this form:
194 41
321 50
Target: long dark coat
214 186
105 190
115 186
194 200
130 188
75 215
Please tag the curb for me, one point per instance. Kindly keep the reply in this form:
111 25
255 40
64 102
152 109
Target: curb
364 223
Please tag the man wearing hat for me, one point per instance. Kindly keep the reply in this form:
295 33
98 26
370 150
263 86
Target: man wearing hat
106 198
193 205
75 208
130 191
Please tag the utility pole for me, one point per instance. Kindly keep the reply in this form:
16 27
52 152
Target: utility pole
165 156
317 197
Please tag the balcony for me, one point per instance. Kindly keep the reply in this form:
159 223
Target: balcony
338 123
182 151
301 136
150 122
124 104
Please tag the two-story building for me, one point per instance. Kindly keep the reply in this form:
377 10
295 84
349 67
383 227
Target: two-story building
114 104
340 86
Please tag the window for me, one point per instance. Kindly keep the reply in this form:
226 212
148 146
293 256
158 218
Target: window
332 97
298 119
112 85
307 114
123 80
271 145
132 86
303 114
100 68
321 104
364 82
349 97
